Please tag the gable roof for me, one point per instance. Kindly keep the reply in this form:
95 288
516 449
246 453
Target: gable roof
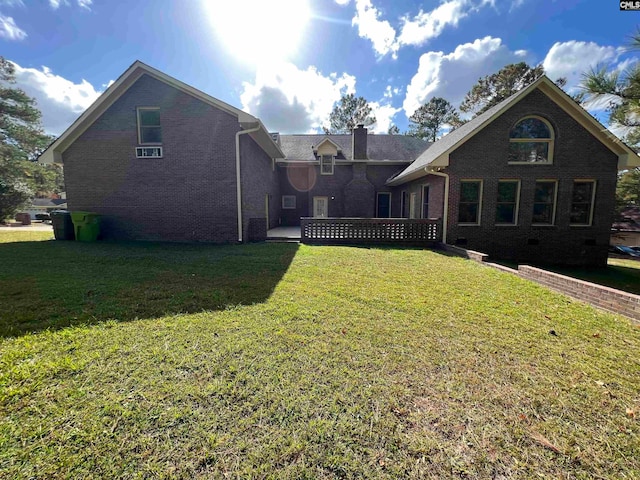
54 152
438 154
379 147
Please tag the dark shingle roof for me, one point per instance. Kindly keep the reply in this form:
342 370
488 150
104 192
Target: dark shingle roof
628 220
47 202
379 147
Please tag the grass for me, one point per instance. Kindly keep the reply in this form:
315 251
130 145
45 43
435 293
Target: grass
286 361
622 274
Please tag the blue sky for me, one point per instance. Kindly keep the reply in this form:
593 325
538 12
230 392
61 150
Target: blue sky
289 61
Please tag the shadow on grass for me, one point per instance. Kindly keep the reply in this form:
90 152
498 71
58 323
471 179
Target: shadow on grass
55 284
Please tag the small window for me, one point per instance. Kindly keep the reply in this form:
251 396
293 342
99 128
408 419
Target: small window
531 141
582 202
149 152
149 130
544 202
425 201
326 164
288 202
470 202
507 202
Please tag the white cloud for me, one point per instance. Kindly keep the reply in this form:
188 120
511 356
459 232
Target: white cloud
380 32
60 100
55 4
9 29
427 25
415 30
384 114
571 59
452 75
12 3
290 100
342 2
515 4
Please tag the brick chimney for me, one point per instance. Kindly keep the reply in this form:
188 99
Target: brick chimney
360 143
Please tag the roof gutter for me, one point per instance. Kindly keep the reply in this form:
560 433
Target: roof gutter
445 214
238 182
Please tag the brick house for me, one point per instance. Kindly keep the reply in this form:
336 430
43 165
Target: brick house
532 178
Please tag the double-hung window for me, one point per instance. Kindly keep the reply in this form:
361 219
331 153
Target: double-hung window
470 205
326 164
544 202
149 129
582 202
149 133
507 202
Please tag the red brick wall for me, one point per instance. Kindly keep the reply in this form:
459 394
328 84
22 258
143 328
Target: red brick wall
188 195
577 155
603 297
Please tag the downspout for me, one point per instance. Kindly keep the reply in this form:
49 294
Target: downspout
445 216
238 182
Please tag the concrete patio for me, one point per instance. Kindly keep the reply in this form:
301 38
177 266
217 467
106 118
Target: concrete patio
284 234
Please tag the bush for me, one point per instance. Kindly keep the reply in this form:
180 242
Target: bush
13 195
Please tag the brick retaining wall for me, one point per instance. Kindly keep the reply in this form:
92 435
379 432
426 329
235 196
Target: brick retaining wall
609 299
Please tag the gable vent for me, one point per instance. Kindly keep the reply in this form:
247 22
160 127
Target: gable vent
275 136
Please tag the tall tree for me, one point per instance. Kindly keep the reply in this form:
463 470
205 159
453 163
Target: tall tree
21 140
621 92
428 120
349 112
393 130
492 89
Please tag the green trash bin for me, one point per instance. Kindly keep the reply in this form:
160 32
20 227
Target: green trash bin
62 225
86 226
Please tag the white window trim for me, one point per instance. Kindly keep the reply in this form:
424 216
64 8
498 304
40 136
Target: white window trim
403 200
377 195
550 141
516 213
143 109
333 160
422 198
413 197
593 201
555 202
480 195
289 197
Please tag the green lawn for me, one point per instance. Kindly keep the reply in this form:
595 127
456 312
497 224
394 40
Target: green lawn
287 361
622 274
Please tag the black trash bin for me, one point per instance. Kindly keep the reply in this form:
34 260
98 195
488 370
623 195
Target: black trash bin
62 225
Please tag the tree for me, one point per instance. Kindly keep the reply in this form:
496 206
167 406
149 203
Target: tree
492 89
428 120
628 188
349 112
22 139
393 130
621 92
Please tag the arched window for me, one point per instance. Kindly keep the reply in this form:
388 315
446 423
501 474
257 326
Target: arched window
531 141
